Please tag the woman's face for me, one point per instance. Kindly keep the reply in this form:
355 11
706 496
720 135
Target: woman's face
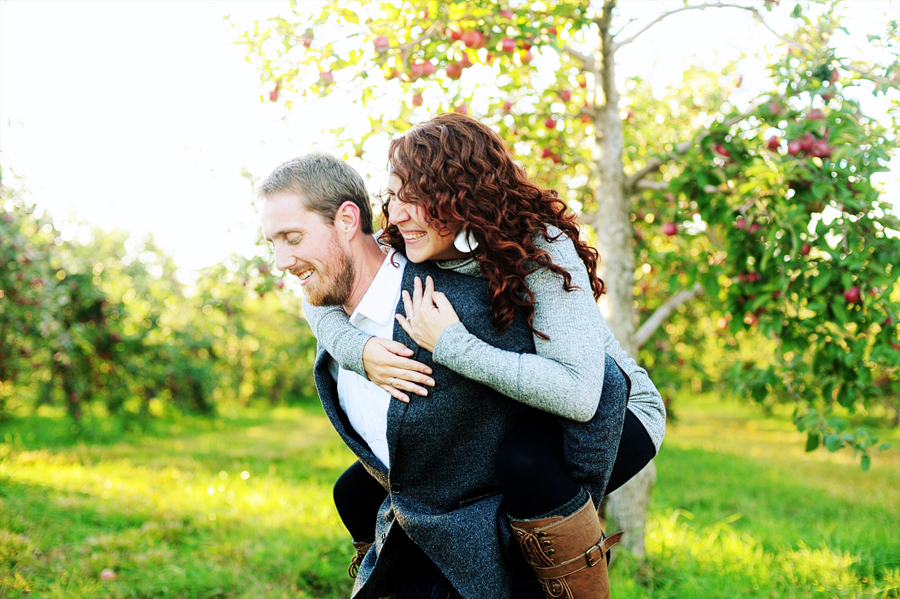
423 241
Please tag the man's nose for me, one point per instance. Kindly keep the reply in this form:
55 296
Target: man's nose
283 259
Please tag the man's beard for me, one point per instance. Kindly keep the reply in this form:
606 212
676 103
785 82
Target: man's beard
336 281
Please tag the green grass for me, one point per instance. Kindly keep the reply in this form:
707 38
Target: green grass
241 507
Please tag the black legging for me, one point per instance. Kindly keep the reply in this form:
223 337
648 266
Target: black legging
530 465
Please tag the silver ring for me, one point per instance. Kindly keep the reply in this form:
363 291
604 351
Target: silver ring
391 381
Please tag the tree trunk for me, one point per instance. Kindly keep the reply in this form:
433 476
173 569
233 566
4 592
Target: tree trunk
615 233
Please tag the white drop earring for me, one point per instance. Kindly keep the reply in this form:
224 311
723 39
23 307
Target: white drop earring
465 242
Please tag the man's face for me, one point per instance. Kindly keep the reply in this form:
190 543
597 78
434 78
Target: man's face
309 248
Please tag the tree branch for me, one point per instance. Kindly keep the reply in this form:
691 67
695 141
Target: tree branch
586 61
662 313
680 149
696 7
664 185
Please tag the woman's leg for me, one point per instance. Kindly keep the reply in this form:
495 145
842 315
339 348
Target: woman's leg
357 497
636 449
532 469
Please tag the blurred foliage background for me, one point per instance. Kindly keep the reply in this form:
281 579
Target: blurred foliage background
100 324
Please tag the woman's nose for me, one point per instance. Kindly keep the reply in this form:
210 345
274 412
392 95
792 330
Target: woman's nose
396 212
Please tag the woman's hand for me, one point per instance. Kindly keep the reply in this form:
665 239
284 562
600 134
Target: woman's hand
429 312
388 365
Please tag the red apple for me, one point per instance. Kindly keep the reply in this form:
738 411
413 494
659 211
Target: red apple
852 295
465 61
454 71
740 223
550 123
815 115
835 75
280 284
473 39
805 249
455 35
273 95
794 147
775 108
546 152
417 100
326 77
508 44
773 143
586 118
670 229
565 95
416 69
552 31
264 269
525 56
381 43
507 106
582 82
506 13
555 158
751 319
827 97
722 151
807 141
755 227
820 148
462 109
427 68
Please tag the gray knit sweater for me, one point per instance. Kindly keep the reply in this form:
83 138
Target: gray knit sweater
564 377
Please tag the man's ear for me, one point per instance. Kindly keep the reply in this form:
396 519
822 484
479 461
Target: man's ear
347 218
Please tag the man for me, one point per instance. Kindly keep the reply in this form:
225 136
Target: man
441 525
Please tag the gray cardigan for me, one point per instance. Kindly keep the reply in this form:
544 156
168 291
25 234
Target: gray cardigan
564 377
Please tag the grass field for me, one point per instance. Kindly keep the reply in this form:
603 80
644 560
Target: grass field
241 507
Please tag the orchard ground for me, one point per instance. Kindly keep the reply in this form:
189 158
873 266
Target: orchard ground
241 507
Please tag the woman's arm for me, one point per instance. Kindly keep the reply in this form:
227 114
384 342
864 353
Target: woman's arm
343 341
379 360
565 376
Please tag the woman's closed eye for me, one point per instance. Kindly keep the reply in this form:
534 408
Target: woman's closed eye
293 240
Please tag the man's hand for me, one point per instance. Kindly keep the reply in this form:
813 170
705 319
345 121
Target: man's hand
388 365
428 312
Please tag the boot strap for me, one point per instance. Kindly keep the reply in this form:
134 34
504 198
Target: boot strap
590 558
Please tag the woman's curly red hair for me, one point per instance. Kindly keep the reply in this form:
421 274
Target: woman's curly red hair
461 172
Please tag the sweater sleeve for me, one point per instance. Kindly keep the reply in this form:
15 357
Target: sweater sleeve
343 341
565 376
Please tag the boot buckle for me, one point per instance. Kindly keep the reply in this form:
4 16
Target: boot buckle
591 562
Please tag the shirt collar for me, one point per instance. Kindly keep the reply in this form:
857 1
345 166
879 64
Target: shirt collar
380 300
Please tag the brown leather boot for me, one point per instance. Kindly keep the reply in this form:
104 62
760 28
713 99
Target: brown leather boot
361 550
568 553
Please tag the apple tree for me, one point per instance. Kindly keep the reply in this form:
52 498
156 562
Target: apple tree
759 212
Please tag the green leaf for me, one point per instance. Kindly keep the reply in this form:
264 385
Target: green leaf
833 442
821 282
840 312
812 441
865 462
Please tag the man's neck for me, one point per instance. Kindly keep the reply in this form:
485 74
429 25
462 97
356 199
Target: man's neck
367 257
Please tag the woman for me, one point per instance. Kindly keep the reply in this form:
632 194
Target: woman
455 195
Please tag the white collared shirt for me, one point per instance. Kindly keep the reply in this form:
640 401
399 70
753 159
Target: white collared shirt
365 403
